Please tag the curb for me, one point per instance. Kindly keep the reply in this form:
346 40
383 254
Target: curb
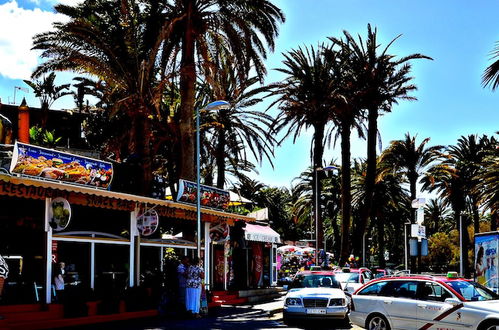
275 311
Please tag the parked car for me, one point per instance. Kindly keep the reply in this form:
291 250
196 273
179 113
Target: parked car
315 295
379 272
425 302
352 279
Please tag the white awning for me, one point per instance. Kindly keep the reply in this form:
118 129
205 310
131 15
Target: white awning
261 234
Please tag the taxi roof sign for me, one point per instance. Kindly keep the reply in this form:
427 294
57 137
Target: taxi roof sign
452 275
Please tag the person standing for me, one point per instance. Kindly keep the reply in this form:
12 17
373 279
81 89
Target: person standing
182 270
195 278
60 273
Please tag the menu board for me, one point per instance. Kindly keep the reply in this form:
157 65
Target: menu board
35 161
210 196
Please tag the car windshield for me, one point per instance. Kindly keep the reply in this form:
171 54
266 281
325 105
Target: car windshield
472 291
347 277
379 274
315 281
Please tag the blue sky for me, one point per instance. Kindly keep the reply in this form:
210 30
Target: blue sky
459 35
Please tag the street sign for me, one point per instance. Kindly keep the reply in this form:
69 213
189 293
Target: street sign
418 231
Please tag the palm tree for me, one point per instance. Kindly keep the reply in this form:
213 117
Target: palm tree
488 186
390 200
447 179
438 217
381 80
240 129
491 75
243 27
121 46
306 99
48 92
410 159
468 156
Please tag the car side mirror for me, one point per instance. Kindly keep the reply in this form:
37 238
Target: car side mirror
285 287
452 301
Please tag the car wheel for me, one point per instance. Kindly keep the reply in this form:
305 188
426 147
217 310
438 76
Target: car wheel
489 326
377 322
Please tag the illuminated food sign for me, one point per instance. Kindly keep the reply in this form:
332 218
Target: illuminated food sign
34 161
210 196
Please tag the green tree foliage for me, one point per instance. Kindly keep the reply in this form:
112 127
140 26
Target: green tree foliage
47 92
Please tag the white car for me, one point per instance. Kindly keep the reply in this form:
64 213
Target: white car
315 296
352 279
425 302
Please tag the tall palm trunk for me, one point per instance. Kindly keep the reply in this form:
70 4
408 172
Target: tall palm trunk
187 98
140 143
366 211
318 152
221 160
380 225
346 196
493 220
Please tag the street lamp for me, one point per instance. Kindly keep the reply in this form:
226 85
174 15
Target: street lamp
317 208
213 106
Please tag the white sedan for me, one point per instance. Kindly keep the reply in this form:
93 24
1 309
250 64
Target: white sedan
315 296
425 302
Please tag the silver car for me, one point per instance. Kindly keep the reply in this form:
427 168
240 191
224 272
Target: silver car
425 302
315 296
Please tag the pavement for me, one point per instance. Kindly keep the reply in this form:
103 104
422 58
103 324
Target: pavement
245 317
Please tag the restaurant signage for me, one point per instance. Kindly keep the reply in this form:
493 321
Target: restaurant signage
210 196
59 214
148 222
34 161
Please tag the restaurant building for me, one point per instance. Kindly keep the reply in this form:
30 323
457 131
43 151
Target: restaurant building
110 242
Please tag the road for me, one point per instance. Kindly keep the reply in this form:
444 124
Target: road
261 316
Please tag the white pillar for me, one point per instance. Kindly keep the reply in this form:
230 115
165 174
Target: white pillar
92 264
207 252
161 256
133 234
48 231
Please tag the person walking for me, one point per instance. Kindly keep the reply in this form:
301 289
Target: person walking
195 276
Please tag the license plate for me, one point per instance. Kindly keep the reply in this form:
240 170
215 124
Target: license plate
316 311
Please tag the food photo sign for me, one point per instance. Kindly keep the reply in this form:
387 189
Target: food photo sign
34 161
148 222
210 196
59 214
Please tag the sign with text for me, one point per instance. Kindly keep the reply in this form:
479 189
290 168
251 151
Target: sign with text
418 231
210 196
35 161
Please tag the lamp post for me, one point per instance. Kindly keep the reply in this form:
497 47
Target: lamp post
213 106
317 209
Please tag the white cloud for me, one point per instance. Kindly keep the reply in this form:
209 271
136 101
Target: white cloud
17 28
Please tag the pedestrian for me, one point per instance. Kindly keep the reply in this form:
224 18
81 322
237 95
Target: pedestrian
60 274
195 277
182 270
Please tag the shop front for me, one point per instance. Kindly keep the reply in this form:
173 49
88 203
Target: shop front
104 241
243 256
